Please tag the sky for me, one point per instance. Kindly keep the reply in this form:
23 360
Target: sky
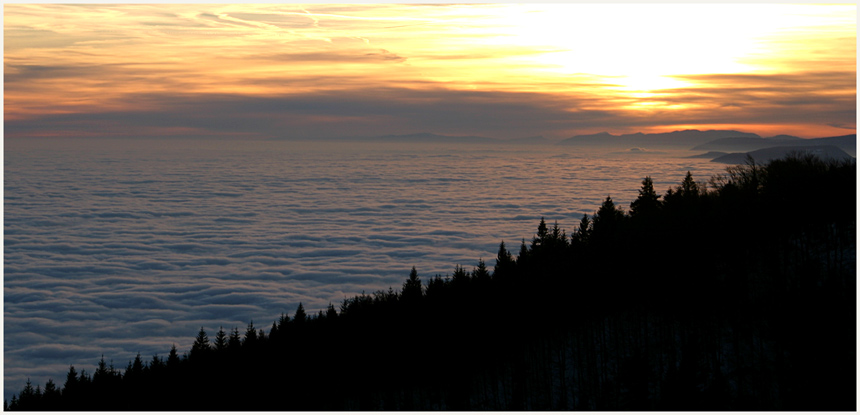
266 71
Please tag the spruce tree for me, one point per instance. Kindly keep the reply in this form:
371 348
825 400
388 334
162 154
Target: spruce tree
201 345
51 396
504 262
556 233
689 187
283 321
523 256
250 338
481 274
235 340
27 398
173 358
301 317
541 237
221 340
435 287
608 215
71 380
648 203
412 287
134 368
542 230
583 233
273 332
101 373
331 313
156 364
460 276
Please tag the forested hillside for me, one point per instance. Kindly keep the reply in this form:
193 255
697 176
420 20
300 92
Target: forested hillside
735 293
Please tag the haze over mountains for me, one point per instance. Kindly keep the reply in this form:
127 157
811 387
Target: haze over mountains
724 146
772 153
674 139
735 150
752 143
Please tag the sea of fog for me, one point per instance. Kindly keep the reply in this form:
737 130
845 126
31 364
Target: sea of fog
114 247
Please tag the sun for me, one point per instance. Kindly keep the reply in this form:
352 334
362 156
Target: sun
616 45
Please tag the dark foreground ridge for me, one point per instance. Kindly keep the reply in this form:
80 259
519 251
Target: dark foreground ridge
739 295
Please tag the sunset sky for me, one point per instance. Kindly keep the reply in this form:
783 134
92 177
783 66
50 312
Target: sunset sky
497 70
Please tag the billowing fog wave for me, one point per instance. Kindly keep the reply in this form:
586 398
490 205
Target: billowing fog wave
118 247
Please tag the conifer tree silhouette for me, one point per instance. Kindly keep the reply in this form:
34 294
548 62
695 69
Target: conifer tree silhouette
250 338
220 342
28 395
689 187
155 365
504 262
173 358
51 396
71 378
101 373
235 340
201 345
607 216
300 317
331 313
583 233
134 369
648 202
412 287
480 274
524 254
541 236
460 276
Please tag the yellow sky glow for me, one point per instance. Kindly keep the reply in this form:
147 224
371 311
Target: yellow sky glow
639 60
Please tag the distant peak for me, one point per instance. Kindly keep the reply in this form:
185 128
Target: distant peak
784 137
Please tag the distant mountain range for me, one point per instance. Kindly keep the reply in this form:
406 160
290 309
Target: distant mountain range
433 138
708 155
716 143
440 138
538 139
675 139
764 155
744 144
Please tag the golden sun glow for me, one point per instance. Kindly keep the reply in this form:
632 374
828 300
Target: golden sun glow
639 47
